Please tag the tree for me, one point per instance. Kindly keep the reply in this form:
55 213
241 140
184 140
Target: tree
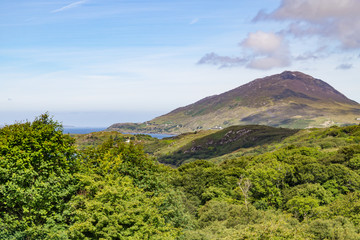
111 207
37 162
244 185
123 195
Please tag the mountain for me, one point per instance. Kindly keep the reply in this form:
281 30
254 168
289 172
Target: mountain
289 99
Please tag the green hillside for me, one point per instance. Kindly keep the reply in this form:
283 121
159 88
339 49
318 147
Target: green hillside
226 141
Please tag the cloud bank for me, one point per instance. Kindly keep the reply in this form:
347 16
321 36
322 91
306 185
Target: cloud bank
334 23
332 19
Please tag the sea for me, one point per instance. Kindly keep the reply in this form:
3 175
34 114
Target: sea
83 130
86 130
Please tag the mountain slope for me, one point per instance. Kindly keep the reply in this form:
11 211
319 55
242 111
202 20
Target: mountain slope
289 99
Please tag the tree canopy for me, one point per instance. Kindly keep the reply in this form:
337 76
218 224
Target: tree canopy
305 187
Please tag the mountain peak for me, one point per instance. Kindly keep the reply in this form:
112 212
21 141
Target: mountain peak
301 85
294 75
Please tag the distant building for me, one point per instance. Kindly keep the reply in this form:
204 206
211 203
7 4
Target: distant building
358 119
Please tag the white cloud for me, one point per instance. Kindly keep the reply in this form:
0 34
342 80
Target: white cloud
263 43
269 50
332 19
70 6
265 51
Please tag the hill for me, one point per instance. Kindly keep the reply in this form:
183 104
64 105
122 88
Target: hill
222 142
289 99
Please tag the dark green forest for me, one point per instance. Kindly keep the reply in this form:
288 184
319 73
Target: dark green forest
303 186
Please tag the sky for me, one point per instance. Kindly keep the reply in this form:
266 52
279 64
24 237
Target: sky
99 62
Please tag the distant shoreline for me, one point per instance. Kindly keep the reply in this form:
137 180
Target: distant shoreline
82 130
87 130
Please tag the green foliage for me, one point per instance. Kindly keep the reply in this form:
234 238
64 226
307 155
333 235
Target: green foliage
125 159
113 208
308 186
315 191
304 187
230 214
354 162
203 181
51 191
338 228
303 207
37 163
249 224
347 206
124 195
268 181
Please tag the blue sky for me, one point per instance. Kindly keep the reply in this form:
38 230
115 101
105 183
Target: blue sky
97 62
